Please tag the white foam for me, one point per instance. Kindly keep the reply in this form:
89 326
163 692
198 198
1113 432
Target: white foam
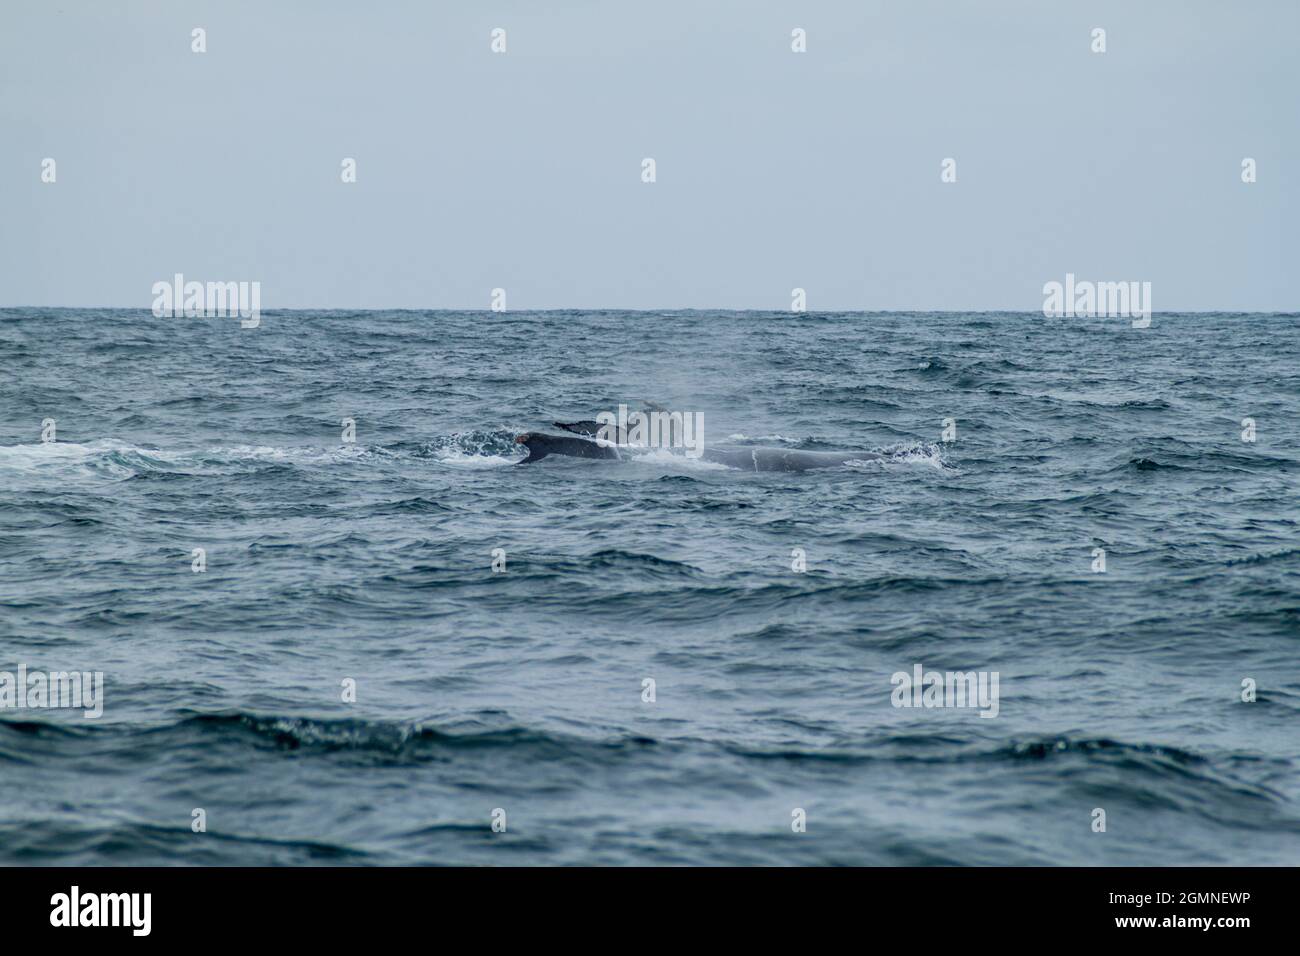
926 454
777 438
110 458
294 455
70 450
18 456
469 461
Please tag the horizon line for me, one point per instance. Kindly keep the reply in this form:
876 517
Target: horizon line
665 309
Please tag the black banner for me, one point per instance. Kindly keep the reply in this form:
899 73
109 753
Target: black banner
333 905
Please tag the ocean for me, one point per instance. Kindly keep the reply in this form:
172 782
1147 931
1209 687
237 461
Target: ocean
307 656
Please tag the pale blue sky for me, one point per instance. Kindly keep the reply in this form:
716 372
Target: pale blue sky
775 169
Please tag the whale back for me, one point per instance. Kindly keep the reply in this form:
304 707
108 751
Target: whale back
540 445
781 459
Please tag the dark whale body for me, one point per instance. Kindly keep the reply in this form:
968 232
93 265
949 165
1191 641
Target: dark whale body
540 445
745 459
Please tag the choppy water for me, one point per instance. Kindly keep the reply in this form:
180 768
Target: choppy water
523 690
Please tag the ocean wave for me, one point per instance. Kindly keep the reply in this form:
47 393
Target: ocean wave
416 741
468 450
46 842
927 454
116 460
374 559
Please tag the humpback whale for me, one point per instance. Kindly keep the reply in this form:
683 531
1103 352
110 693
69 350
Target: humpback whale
540 445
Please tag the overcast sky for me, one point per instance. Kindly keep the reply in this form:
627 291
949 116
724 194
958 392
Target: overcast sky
775 169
